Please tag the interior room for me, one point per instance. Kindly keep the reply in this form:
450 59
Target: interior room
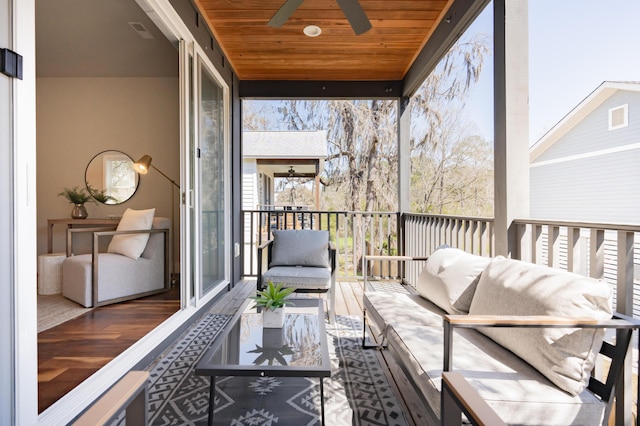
107 89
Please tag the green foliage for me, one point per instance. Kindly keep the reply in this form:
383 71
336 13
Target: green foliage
100 195
273 297
75 195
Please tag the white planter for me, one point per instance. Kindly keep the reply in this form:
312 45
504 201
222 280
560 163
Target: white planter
273 319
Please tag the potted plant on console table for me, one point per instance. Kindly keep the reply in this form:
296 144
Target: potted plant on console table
272 300
77 197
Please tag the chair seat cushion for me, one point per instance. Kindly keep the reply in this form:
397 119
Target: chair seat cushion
517 392
300 277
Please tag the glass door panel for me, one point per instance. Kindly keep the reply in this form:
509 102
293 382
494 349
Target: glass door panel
211 183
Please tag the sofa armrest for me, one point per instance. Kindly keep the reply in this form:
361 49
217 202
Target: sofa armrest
617 352
264 251
451 322
458 397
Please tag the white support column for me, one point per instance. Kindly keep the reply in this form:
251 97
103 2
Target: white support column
511 120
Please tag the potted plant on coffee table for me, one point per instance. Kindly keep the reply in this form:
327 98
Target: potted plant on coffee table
272 300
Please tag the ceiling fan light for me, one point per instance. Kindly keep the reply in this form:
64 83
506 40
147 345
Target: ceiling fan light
312 31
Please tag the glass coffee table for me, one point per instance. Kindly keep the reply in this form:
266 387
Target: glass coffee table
245 348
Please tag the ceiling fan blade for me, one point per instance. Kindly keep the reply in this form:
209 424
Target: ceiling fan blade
285 11
355 15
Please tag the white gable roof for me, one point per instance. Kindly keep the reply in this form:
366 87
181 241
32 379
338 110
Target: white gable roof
293 144
576 115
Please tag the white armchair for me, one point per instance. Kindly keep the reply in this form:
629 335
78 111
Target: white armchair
98 279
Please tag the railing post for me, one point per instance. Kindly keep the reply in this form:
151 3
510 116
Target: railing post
553 246
575 254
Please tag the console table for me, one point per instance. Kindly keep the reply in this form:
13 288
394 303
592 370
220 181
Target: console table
70 223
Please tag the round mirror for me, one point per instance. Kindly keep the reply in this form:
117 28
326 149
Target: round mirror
110 177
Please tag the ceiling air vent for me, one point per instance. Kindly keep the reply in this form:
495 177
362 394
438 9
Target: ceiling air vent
142 31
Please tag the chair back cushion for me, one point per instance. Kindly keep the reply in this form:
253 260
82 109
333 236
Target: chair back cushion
300 247
565 356
132 245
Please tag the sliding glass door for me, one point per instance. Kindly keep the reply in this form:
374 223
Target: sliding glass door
211 186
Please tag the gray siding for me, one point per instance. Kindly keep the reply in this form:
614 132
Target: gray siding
598 186
593 134
604 188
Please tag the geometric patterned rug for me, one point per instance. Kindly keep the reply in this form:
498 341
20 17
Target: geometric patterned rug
357 393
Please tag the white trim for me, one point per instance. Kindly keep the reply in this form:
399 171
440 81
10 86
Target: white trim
625 117
25 221
591 154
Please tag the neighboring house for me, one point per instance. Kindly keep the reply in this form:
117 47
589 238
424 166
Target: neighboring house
270 155
586 168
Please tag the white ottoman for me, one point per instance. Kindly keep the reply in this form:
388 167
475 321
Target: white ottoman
50 273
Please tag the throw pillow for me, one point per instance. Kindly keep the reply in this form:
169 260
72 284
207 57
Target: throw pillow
132 245
300 247
450 277
565 356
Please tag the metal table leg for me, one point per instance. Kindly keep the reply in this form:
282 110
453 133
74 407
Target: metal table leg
322 399
212 399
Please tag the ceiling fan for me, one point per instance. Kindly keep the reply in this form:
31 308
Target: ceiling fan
351 9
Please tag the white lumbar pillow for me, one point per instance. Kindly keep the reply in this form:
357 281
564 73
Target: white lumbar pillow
450 277
134 244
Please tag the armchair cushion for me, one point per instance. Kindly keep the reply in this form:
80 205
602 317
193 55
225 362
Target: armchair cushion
300 247
132 245
565 356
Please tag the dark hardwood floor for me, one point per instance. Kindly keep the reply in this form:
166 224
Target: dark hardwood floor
72 351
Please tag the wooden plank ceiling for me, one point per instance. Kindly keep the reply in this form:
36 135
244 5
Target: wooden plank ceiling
400 28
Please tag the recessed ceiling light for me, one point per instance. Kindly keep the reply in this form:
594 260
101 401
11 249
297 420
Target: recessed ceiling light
312 30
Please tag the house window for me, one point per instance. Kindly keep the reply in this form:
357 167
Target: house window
619 117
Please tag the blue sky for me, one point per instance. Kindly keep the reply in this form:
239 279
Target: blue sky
574 45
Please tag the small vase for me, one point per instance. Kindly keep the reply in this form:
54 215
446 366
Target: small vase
79 211
273 318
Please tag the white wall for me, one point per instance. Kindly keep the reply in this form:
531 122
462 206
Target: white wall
80 117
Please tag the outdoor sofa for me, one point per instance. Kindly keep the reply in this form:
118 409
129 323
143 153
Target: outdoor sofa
526 371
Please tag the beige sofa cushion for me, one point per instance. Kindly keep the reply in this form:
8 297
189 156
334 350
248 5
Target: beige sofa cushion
517 392
565 356
450 277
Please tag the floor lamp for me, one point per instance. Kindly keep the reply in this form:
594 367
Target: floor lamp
142 166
